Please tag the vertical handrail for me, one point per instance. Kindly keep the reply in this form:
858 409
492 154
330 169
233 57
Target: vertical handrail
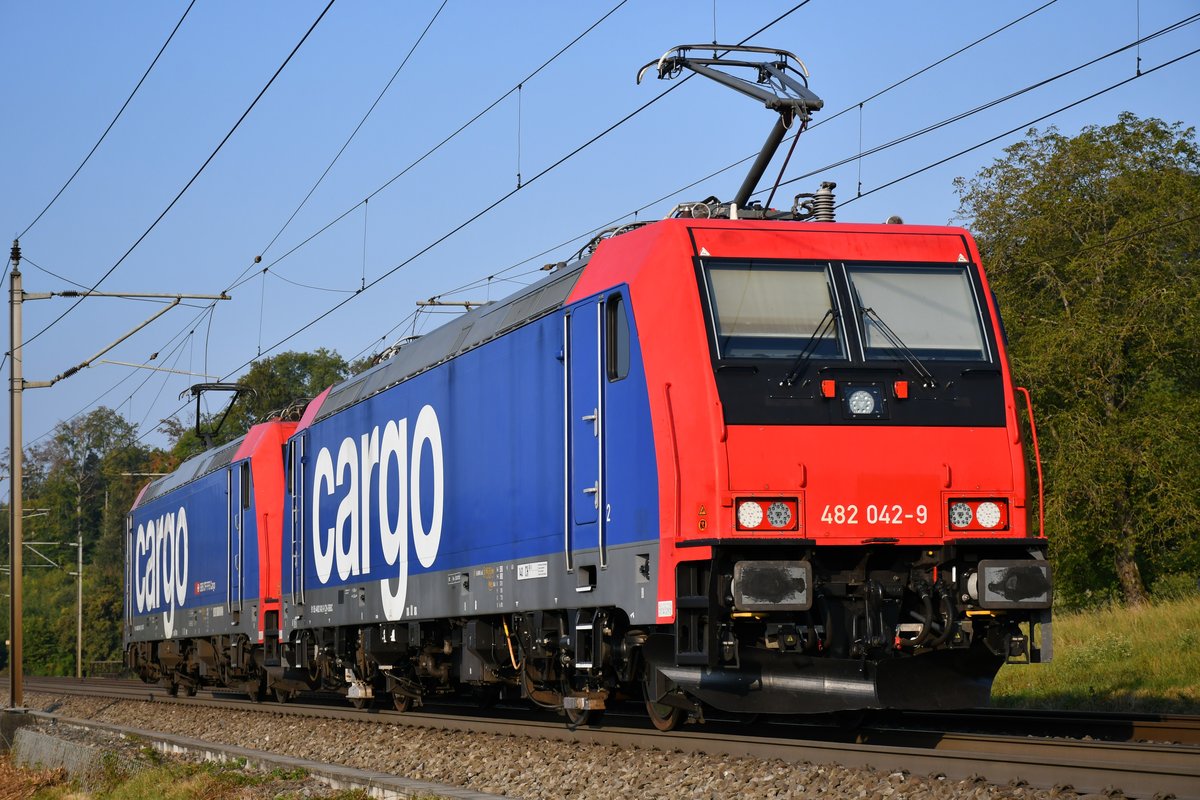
130 554
291 487
229 539
674 457
299 542
600 375
1037 456
567 441
243 487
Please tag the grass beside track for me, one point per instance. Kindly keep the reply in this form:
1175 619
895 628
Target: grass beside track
1144 659
155 777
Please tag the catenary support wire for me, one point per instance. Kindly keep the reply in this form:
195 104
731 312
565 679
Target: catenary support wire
188 185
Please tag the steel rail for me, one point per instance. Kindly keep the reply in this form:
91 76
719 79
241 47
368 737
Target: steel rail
1137 769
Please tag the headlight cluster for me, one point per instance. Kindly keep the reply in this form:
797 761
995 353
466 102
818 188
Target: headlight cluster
775 513
978 515
861 402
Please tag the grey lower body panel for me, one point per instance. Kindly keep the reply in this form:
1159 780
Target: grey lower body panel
628 581
188 623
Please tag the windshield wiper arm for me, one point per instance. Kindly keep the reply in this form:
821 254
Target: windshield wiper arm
810 347
908 355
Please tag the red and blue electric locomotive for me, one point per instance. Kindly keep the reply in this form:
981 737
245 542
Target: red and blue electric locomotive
745 459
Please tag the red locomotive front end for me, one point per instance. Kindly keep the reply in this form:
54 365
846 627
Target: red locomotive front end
846 516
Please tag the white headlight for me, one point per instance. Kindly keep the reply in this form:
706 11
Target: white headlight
750 514
987 515
960 515
861 402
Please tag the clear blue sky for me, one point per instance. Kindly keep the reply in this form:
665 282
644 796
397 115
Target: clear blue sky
66 67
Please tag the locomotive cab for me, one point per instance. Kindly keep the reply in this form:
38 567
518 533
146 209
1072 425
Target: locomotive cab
859 535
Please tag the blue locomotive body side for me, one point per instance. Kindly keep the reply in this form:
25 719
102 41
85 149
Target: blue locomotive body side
447 494
192 559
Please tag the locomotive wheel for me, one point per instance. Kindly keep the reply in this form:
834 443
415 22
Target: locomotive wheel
402 702
663 717
282 695
577 717
360 702
192 688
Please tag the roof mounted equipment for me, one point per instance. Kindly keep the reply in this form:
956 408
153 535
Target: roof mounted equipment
780 86
197 389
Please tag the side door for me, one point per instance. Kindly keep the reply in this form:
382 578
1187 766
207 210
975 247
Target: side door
237 500
583 427
293 543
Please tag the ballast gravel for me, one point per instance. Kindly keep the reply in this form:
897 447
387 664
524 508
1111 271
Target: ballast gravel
524 767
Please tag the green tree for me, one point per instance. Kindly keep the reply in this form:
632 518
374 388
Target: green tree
1092 244
81 481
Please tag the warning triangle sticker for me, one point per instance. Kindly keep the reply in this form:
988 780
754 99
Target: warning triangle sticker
704 251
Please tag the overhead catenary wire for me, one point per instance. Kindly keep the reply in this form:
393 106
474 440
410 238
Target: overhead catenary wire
164 353
192 180
1144 232
995 102
938 63
120 111
244 276
1168 29
877 94
353 133
480 114
478 215
1024 125
826 119
594 230
873 96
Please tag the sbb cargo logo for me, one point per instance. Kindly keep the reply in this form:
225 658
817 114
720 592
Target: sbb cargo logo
160 566
368 473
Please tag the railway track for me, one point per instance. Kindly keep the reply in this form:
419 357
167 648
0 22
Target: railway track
1138 755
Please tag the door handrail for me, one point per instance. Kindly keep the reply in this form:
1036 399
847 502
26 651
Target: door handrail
1037 456
567 441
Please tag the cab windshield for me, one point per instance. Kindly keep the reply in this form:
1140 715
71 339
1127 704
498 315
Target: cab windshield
765 309
931 311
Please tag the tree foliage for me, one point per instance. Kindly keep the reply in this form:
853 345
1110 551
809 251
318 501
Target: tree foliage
82 482
1092 244
79 485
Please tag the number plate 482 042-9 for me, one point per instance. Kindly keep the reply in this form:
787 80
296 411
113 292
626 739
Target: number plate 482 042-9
874 514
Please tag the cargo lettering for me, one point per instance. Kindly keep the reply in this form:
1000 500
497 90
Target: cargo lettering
160 566
368 472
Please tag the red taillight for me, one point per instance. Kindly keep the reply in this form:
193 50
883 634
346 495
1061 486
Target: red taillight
767 514
977 515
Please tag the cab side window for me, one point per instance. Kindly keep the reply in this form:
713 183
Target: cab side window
617 325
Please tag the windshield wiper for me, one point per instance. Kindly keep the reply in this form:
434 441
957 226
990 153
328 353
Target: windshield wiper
909 356
810 347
